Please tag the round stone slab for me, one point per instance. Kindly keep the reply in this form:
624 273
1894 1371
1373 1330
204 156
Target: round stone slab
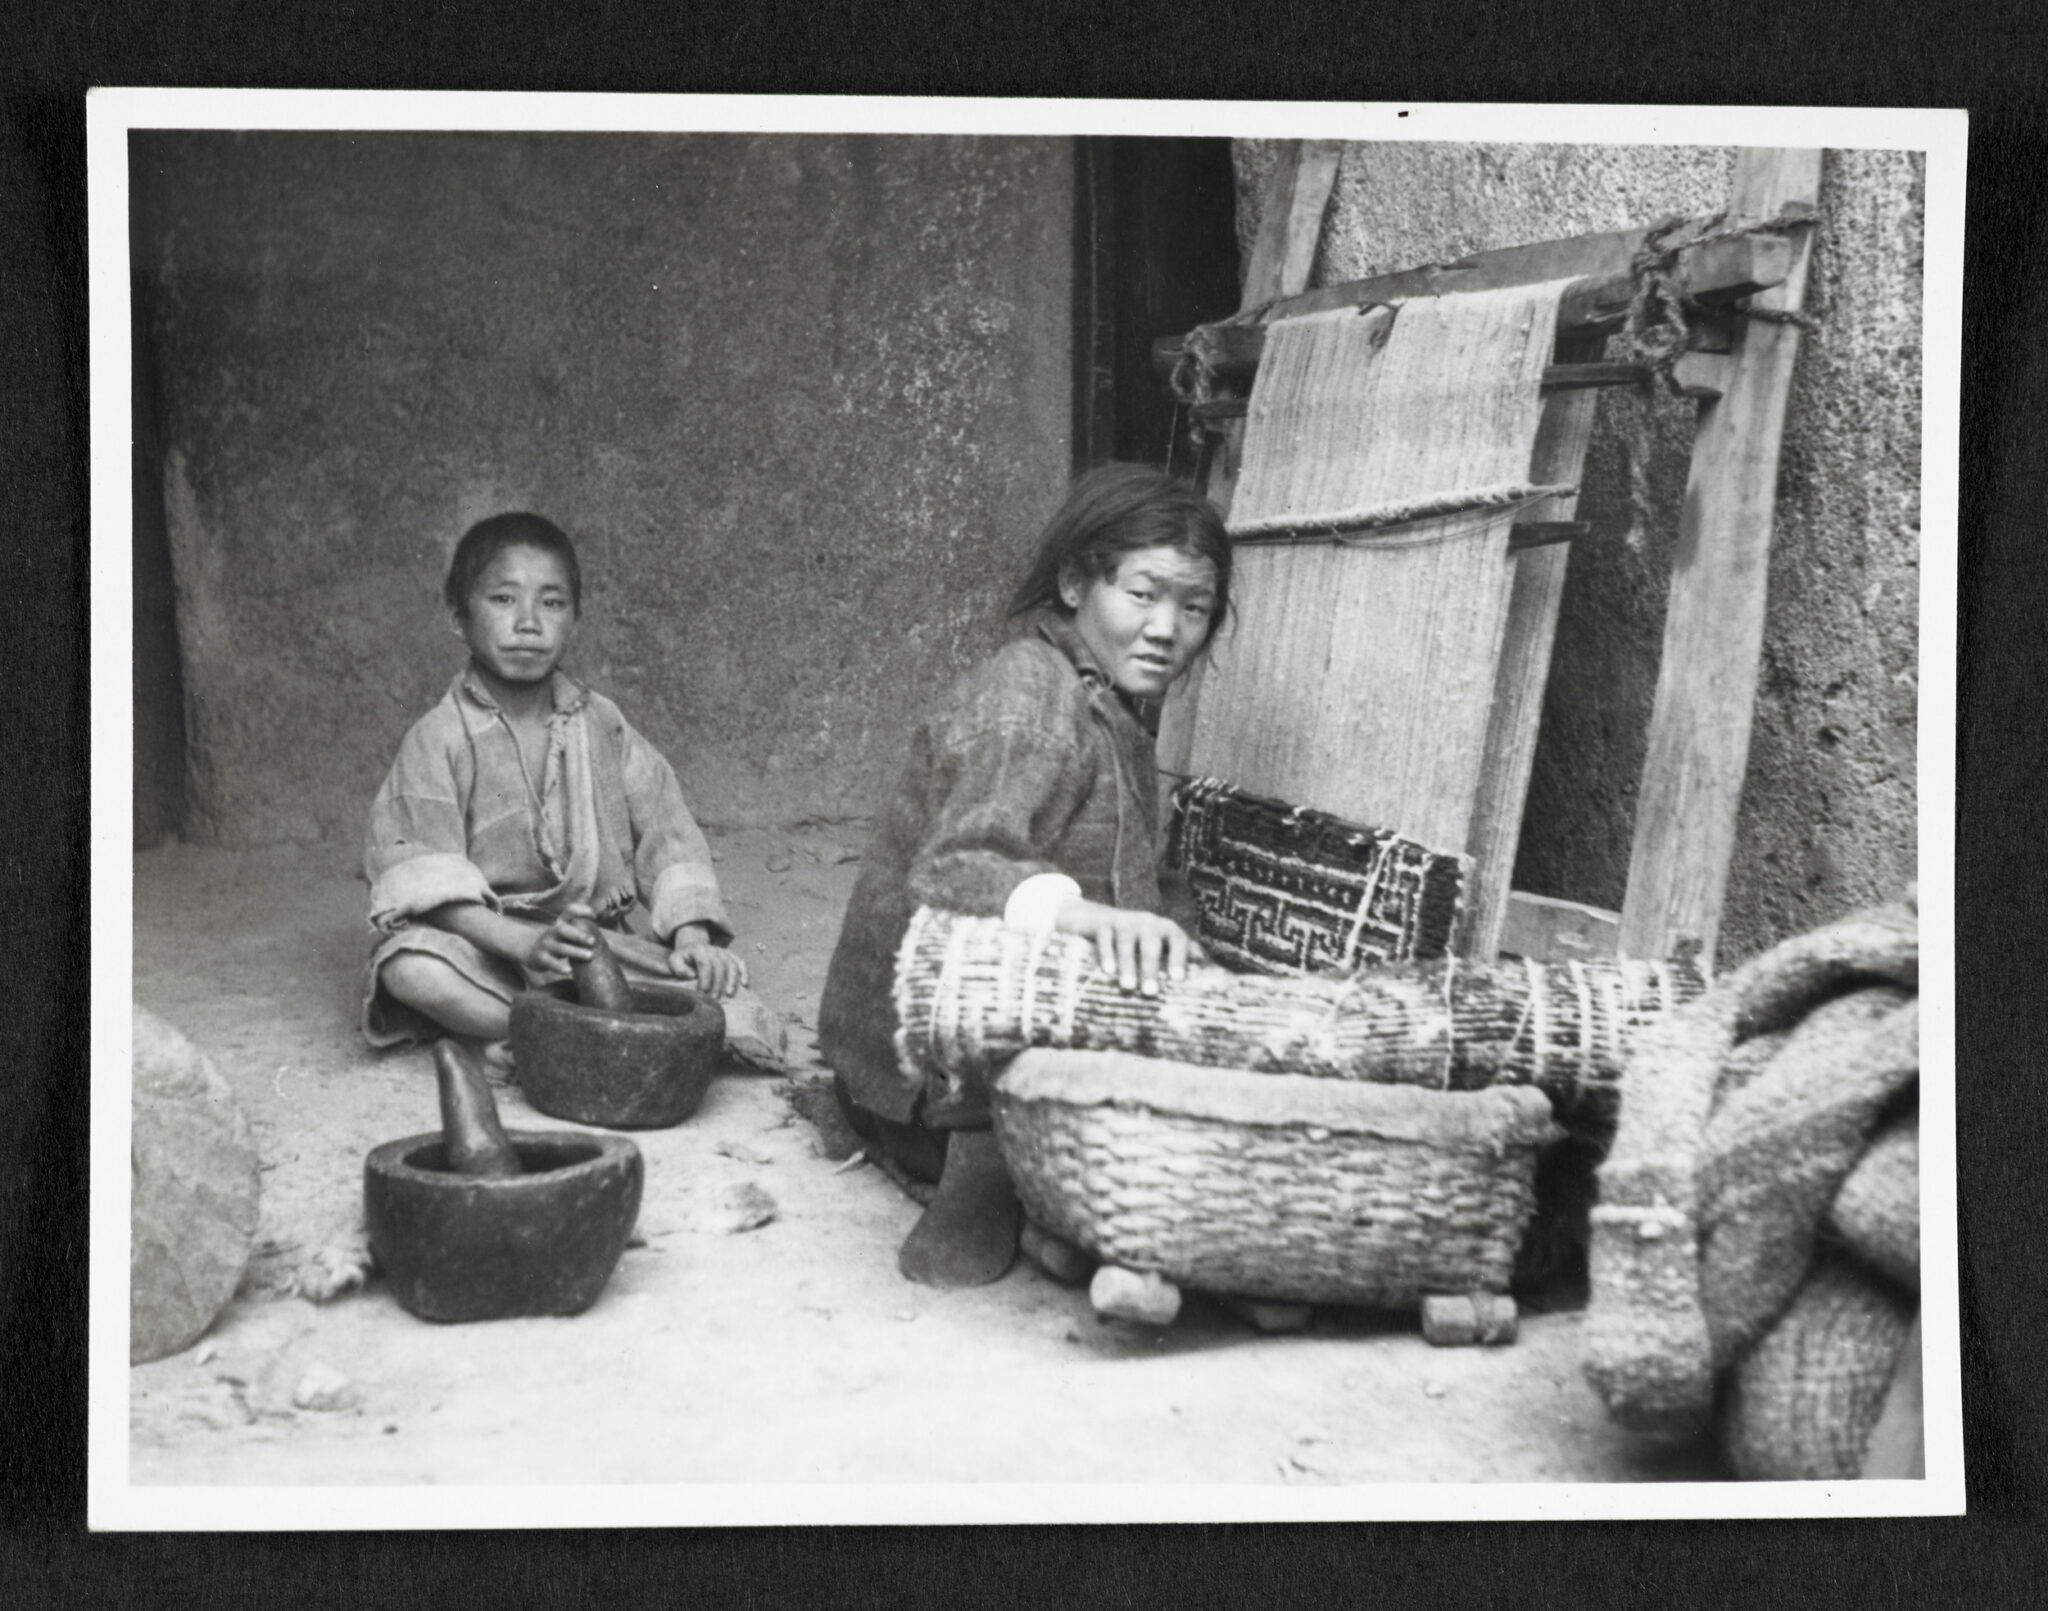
195 1195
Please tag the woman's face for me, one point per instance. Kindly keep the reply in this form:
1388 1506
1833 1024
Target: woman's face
1148 619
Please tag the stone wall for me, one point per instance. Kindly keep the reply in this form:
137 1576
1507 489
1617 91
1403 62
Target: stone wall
802 401
1828 816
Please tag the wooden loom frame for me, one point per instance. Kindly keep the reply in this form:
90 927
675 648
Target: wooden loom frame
1740 371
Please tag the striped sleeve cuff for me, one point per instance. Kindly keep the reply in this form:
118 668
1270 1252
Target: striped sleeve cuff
687 894
420 883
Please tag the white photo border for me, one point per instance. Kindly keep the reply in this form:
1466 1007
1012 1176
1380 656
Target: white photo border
113 1503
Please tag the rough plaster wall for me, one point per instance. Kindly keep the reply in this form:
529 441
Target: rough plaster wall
1828 816
802 402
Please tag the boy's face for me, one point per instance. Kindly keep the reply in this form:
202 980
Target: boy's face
521 616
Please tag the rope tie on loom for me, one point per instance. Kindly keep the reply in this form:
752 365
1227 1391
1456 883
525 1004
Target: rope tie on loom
946 1022
1034 950
1194 373
1532 1018
1365 900
1073 961
1584 989
1656 331
1481 504
1449 1021
1617 996
1350 991
1193 380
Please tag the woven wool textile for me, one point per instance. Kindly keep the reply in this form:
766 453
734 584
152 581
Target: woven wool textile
1287 891
1358 677
971 994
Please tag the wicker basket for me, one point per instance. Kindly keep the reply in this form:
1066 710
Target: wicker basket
1276 1186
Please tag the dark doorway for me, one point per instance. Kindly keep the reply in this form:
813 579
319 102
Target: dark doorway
1155 241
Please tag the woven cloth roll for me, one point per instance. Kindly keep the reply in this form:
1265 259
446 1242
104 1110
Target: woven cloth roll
971 994
1297 891
1876 1214
1801 1404
1273 1186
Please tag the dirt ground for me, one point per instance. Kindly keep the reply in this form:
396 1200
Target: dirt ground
791 1351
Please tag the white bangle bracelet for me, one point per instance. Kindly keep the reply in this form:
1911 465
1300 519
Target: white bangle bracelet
1034 905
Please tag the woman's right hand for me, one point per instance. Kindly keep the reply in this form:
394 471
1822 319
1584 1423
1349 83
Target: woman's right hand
1136 948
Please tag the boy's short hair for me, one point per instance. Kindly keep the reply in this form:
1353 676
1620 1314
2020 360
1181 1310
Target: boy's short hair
487 539
1114 510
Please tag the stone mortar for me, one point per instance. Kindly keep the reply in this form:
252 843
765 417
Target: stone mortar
456 1247
640 1070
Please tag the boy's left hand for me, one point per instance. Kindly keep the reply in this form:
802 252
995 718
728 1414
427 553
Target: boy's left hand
711 968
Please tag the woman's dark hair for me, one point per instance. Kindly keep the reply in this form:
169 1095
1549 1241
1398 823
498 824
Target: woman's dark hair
487 539
1111 511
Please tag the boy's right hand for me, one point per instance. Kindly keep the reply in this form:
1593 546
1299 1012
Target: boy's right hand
561 945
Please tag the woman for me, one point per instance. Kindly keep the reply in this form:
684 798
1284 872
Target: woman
1030 794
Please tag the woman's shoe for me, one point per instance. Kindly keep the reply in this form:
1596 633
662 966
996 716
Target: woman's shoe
968 1234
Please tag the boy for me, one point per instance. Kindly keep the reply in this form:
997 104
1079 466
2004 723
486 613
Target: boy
522 800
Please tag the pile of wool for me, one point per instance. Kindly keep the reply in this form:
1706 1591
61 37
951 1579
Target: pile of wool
1755 1253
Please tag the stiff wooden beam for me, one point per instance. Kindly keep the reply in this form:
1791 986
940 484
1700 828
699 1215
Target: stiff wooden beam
1700 725
1585 377
1297 192
1545 929
1715 273
1526 534
1494 836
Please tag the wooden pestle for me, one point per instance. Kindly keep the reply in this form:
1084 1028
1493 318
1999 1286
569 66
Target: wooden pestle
473 1141
600 982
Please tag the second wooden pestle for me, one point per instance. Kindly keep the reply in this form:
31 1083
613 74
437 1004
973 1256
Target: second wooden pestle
473 1140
